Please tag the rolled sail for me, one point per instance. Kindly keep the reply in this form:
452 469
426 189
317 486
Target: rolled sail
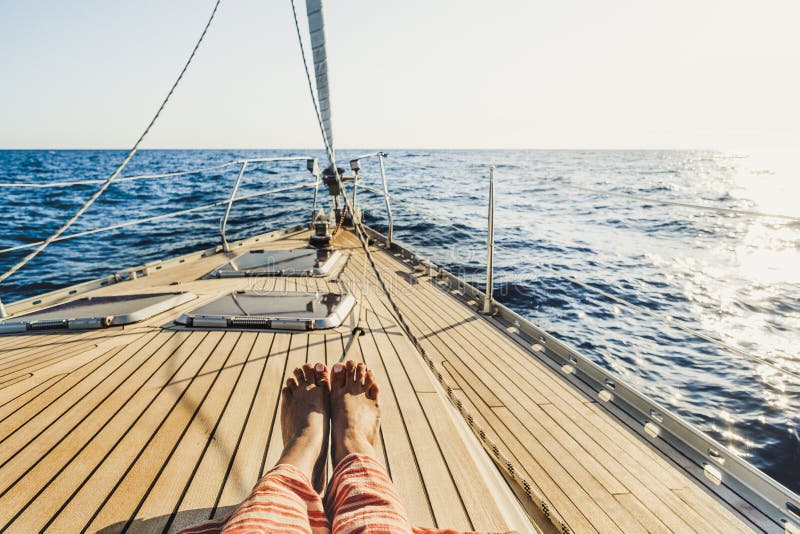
316 26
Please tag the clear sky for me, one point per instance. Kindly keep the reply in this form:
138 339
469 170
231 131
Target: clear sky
413 73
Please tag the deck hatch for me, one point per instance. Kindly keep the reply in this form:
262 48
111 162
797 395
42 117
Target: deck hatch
96 312
293 262
276 310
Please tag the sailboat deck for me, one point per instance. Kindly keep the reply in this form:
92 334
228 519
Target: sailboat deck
155 428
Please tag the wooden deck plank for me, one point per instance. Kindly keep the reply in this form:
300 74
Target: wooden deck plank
200 500
611 507
150 460
80 453
445 502
27 345
508 383
122 444
186 434
12 403
540 479
261 426
34 427
429 328
539 434
37 358
484 514
200 447
25 472
11 393
742 514
297 356
401 460
650 494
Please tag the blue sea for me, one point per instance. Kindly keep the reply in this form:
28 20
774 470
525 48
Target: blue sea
732 277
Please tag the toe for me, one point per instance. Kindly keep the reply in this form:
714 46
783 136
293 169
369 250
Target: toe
291 384
361 370
286 393
321 375
371 385
350 371
338 375
298 373
308 370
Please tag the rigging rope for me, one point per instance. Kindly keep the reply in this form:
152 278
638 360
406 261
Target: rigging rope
500 459
124 163
503 461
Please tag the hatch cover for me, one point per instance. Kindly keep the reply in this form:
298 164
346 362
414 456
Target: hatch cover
294 262
277 310
96 312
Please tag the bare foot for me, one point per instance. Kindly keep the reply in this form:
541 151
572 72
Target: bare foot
305 422
355 416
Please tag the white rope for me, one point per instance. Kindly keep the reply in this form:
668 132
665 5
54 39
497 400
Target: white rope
49 184
158 217
124 163
501 460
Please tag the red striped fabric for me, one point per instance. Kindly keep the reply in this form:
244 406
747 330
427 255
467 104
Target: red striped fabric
360 499
282 501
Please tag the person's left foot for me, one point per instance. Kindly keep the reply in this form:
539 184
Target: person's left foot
305 421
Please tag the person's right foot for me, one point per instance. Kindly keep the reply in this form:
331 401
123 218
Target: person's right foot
355 415
304 422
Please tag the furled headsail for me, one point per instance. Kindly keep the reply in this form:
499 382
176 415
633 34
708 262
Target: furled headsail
316 27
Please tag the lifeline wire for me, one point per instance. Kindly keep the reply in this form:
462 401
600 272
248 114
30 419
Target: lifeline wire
651 200
124 163
160 217
120 179
669 321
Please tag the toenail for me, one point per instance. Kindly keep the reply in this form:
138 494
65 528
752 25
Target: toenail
337 368
319 368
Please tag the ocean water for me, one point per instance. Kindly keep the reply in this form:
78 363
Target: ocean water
731 277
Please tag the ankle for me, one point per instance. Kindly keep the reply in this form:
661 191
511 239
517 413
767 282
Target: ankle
351 442
298 453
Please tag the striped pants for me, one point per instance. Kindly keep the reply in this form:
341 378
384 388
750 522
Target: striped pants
360 499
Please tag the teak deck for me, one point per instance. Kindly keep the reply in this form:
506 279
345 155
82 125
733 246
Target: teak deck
153 428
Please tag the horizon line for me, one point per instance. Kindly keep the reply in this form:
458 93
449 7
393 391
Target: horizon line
322 149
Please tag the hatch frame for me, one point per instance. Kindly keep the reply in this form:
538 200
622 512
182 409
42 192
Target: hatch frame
267 321
73 319
229 269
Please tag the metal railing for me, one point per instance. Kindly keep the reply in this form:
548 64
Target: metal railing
311 165
228 203
715 462
488 305
223 223
355 165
